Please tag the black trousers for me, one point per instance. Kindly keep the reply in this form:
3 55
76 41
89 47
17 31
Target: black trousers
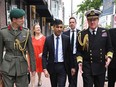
111 77
58 77
73 79
96 80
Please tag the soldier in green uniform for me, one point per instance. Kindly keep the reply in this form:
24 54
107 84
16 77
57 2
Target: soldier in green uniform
94 51
16 39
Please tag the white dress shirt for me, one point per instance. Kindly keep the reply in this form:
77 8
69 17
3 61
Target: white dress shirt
91 30
60 50
75 38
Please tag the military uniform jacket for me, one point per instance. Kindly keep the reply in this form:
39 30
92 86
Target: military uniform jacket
93 55
113 39
13 63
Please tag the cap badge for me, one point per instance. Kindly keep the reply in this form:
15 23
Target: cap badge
92 13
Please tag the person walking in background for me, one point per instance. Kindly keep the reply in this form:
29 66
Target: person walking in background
38 40
94 51
112 66
16 40
56 56
72 33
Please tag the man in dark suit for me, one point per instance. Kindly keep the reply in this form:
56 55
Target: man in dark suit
112 65
94 51
72 33
56 58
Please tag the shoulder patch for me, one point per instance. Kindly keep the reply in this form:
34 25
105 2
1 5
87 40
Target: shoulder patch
25 28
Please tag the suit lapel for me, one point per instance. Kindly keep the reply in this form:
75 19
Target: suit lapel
63 46
12 32
18 32
69 32
63 43
52 44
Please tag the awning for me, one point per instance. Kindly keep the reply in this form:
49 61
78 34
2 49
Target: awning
43 11
35 2
50 19
41 7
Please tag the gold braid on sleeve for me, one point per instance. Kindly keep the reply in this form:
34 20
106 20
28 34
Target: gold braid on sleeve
85 42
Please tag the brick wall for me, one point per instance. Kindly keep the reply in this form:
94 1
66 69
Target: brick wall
2 14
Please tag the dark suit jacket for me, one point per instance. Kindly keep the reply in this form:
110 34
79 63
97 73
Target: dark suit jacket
94 57
68 33
48 53
113 39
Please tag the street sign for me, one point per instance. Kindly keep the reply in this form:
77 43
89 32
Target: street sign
108 7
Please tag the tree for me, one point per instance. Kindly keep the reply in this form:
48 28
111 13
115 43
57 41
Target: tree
88 4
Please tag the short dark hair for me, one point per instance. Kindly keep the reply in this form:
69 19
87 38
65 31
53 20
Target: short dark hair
72 18
57 22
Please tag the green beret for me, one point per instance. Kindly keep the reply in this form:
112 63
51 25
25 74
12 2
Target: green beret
17 13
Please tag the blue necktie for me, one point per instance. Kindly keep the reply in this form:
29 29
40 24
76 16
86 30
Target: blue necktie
56 54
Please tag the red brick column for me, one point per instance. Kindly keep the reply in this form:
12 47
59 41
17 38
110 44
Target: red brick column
2 14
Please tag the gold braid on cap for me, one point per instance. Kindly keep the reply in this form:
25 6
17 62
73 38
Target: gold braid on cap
85 42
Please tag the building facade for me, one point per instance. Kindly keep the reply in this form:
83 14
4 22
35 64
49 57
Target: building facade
36 11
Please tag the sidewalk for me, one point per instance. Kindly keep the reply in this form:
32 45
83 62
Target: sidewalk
46 82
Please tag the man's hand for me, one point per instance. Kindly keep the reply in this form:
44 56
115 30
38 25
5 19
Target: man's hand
108 60
33 73
40 55
47 75
73 71
80 68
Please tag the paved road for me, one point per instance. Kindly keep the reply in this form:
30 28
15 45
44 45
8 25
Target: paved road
46 82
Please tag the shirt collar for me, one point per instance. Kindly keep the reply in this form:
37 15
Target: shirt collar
72 30
56 36
92 30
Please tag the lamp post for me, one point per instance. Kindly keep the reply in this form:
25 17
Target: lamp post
71 7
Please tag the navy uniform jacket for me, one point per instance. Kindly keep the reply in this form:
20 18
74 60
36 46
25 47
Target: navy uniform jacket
113 39
13 63
93 53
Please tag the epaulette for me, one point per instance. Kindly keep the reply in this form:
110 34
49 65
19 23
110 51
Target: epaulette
81 31
4 27
25 28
